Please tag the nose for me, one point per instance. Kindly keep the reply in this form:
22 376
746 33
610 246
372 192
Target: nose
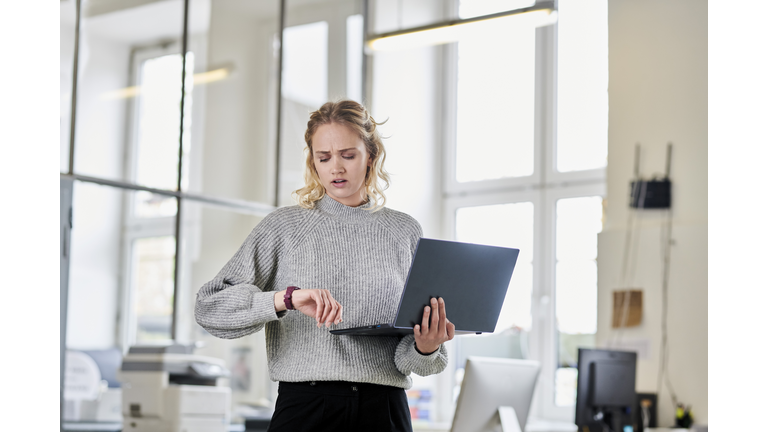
338 166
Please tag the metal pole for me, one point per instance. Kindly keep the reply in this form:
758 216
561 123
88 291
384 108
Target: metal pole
364 92
73 106
66 190
179 201
281 27
243 206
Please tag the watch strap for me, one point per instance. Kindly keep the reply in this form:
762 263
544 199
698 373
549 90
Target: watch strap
287 298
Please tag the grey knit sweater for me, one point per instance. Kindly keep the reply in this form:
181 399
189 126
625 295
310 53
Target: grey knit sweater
362 257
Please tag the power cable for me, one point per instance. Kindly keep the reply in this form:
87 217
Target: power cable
629 263
666 244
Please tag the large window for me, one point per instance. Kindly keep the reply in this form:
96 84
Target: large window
525 169
152 160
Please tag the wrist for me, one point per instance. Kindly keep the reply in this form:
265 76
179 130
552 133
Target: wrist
425 351
279 303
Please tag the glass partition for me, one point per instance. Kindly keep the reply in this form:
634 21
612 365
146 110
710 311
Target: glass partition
210 237
129 87
232 138
96 285
305 89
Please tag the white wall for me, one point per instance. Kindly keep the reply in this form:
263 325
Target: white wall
658 94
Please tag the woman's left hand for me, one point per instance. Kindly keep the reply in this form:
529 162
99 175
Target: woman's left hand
433 331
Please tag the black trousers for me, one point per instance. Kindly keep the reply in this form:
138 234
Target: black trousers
340 406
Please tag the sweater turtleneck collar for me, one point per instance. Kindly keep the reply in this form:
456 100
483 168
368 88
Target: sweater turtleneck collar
352 214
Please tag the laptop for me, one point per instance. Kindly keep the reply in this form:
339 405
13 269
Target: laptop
471 278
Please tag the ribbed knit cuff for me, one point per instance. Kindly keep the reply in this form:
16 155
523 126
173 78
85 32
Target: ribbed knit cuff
263 307
408 360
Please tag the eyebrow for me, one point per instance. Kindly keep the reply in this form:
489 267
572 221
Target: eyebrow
340 151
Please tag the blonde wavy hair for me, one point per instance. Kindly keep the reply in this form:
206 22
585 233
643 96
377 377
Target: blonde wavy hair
353 115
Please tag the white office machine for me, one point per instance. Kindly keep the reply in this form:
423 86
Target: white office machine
87 396
495 395
169 389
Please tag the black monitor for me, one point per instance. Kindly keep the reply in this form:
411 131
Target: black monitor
605 391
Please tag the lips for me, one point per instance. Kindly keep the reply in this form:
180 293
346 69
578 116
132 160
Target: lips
339 182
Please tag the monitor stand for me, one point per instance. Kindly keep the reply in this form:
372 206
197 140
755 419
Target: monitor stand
508 419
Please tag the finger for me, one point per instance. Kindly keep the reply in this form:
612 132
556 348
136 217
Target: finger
334 310
339 309
318 304
451 329
435 317
322 307
326 307
417 332
442 319
425 320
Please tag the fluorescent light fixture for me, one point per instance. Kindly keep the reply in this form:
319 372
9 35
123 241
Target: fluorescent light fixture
197 79
540 14
211 76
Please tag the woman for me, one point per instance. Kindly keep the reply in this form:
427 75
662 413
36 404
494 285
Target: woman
340 255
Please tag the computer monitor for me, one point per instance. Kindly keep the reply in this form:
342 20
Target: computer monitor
490 384
605 391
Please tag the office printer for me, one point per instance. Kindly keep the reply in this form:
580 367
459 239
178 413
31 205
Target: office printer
169 389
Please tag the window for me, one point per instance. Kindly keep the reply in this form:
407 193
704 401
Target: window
525 169
149 225
154 142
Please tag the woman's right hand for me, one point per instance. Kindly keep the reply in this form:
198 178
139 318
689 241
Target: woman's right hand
315 303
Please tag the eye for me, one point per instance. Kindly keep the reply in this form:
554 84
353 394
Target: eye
348 157
323 160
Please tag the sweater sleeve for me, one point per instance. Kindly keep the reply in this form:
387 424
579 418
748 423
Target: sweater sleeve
240 299
408 360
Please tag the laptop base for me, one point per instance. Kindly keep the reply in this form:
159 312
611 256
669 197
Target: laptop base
383 330
374 330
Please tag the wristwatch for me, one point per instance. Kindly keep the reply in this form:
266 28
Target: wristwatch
287 297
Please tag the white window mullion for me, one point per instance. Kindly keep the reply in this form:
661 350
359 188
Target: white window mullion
546 310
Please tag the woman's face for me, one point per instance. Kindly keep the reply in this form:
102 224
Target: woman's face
341 161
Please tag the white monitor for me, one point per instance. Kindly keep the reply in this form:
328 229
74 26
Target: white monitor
495 392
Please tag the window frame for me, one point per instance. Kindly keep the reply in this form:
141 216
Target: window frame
543 188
